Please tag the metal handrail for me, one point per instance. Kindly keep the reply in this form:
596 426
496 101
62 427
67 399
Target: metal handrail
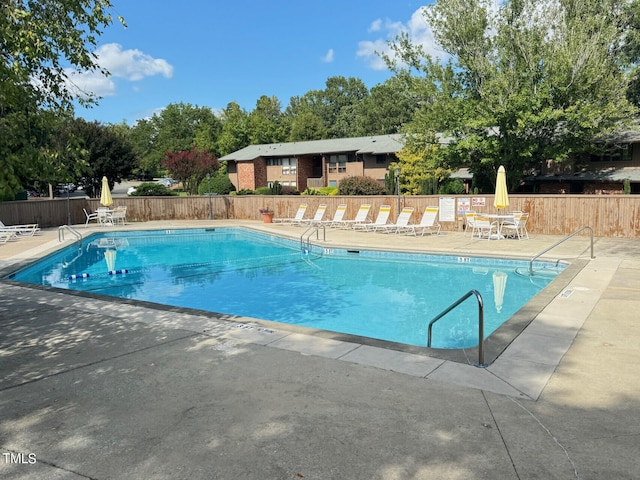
316 228
558 243
61 230
480 323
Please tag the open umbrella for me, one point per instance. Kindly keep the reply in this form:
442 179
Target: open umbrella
501 198
499 285
105 196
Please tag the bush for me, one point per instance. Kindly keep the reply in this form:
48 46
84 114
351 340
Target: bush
263 191
220 185
286 190
245 191
360 186
152 189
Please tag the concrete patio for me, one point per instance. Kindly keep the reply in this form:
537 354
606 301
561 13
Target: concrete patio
105 388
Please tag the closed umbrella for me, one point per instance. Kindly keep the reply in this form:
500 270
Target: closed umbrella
499 285
110 258
501 198
105 196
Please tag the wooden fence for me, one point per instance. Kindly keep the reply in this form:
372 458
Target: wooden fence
607 215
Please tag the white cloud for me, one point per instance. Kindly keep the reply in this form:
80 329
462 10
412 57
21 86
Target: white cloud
328 57
417 28
131 65
376 25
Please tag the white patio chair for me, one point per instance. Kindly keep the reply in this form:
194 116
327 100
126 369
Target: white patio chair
517 229
381 219
90 217
483 227
401 222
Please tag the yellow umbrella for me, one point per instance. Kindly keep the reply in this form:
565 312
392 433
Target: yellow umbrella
499 285
105 196
110 258
501 199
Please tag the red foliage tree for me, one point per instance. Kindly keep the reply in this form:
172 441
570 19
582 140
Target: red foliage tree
190 167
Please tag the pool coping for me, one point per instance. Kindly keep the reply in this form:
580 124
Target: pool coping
520 368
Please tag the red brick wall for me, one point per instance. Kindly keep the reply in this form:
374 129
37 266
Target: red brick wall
246 176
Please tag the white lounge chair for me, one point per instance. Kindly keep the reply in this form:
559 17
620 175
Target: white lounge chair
427 223
337 216
401 222
381 219
27 229
319 215
104 216
362 217
298 218
6 235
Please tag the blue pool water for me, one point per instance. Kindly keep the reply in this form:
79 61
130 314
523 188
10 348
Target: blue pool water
383 295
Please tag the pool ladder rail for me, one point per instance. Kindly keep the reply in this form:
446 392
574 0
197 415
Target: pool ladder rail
562 240
75 233
305 244
480 362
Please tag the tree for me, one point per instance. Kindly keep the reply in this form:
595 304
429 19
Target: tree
235 130
190 167
90 151
535 80
266 122
41 42
387 108
178 127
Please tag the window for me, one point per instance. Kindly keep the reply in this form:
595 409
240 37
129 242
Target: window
288 164
338 163
381 159
614 155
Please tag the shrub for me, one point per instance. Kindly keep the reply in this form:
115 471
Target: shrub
287 190
245 191
360 186
220 185
263 191
152 189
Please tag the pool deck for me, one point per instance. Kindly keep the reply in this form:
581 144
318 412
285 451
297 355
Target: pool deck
97 388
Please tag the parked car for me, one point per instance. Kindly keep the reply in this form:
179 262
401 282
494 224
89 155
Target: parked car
167 182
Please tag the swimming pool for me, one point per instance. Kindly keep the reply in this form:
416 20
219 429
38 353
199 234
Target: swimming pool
381 295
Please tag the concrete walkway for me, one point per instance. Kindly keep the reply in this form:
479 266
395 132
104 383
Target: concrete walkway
95 388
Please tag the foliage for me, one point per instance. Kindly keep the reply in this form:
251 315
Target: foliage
453 186
324 191
266 122
420 161
218 184
276 188
190 167
152 189
288 190
263 191
390 184
235 129
178 127
534 80
42 42
245 191
626 186
360 185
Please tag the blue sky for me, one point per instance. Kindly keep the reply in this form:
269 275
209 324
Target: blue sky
209 53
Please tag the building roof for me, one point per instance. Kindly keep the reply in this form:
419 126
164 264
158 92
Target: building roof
373 145
605 174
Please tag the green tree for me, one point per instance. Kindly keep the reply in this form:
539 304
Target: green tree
387 108
267 122
535 80
90 150
178 127
41 42
235 129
